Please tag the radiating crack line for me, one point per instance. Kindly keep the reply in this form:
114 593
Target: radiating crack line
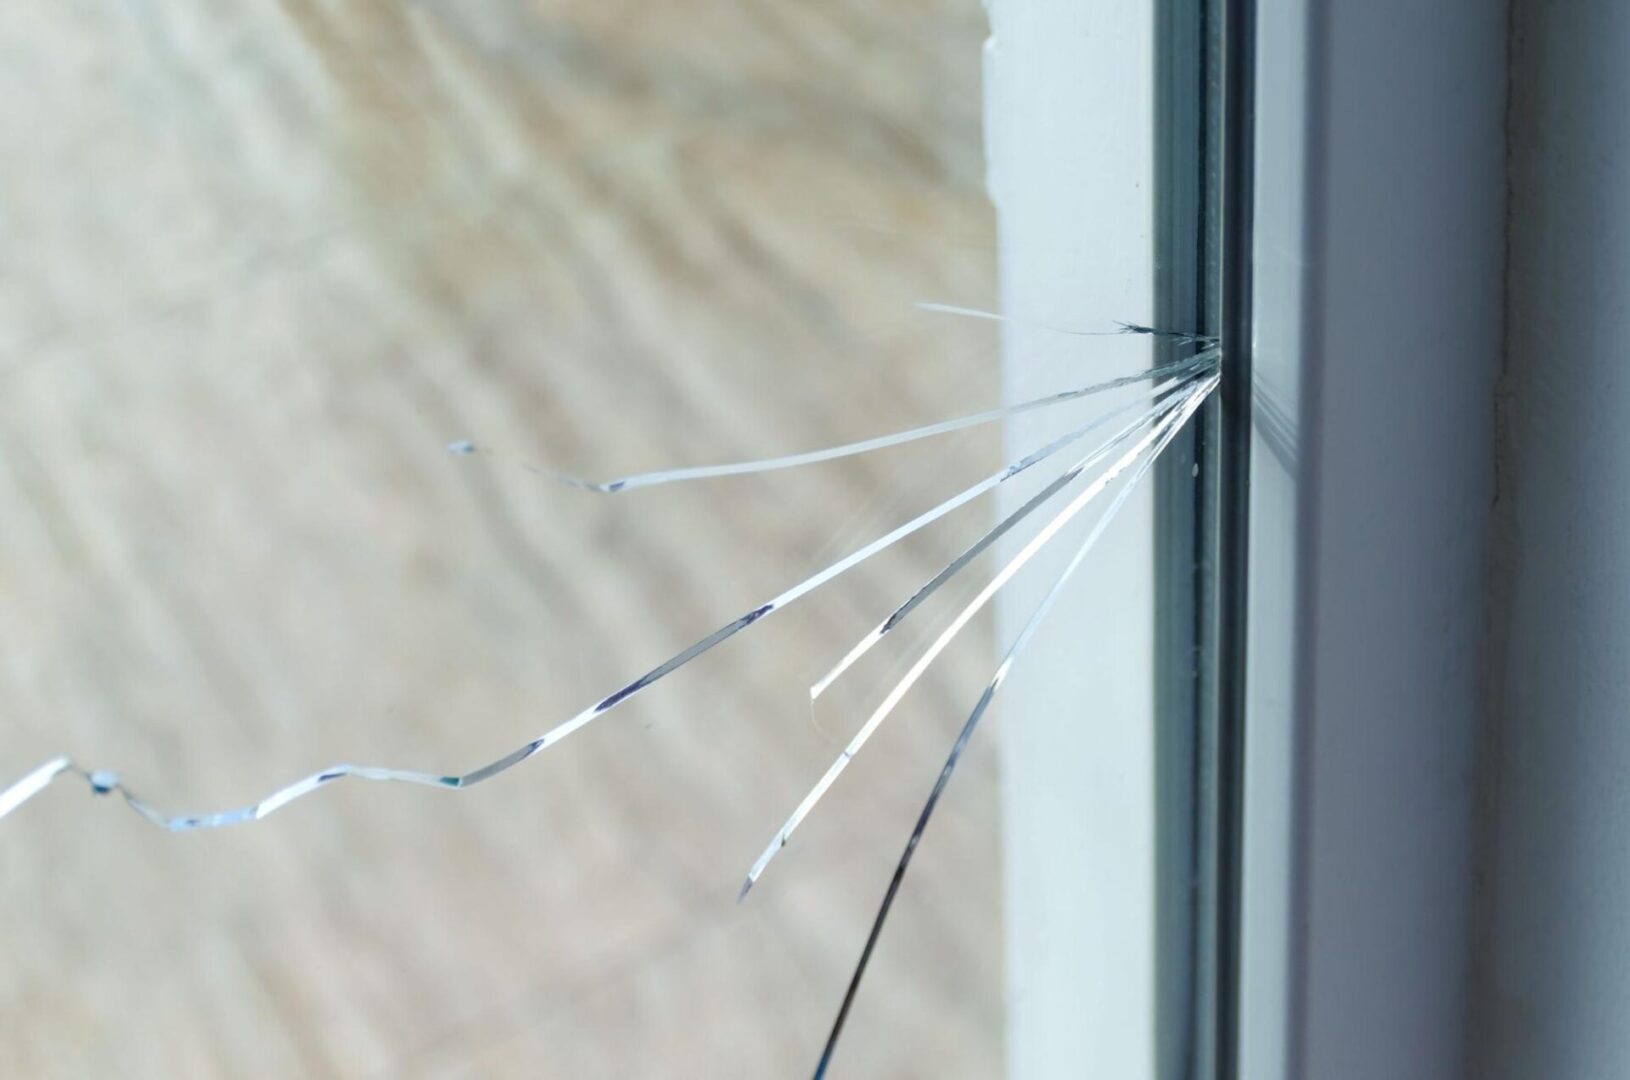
1171 400
1182 337
1020 641
864 446
103 782
1195 397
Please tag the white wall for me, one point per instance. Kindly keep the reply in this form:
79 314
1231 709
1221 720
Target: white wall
1557 999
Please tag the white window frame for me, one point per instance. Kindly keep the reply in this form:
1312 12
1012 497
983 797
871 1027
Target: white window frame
1378 262
1069 107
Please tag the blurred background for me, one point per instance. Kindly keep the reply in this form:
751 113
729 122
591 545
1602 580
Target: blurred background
260 263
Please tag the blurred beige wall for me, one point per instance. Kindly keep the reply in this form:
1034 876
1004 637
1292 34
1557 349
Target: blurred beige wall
261 262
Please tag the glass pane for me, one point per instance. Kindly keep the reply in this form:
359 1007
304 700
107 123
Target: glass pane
313 306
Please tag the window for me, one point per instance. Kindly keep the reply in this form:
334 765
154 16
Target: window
313 306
